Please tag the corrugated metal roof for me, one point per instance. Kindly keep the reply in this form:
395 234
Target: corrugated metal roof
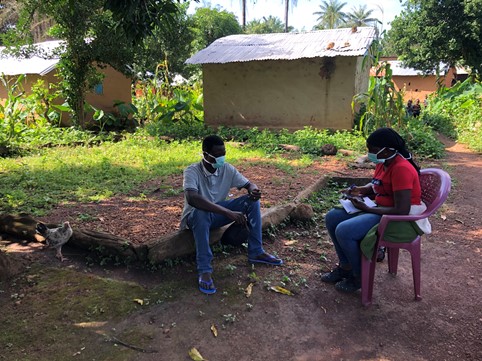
286 46
10 65
398 69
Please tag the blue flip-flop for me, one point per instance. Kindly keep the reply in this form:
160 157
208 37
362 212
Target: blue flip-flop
210 289
267 259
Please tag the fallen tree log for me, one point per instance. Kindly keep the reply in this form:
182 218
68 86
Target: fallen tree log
181 243
22 227
177 244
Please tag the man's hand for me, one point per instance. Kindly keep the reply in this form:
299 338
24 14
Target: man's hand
255 194
237 217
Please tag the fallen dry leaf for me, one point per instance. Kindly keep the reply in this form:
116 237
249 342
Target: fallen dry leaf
290 243
248 290
214 330
281 290
443 216
195 355
139 301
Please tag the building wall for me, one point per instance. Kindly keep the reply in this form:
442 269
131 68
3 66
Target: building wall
282 94
115 87
419 87
415 87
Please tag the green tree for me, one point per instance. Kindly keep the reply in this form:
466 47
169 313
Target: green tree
271 24
10 11
95 32
430 32
172 42
361 16
330 15
211 24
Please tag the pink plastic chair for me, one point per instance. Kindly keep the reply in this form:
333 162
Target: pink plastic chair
435 185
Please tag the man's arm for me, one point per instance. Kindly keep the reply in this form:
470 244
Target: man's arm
198 201
253 190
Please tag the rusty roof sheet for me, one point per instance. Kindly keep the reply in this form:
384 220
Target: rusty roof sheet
287 46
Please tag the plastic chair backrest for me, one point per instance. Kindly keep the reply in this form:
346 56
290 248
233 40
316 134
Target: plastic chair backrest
435 184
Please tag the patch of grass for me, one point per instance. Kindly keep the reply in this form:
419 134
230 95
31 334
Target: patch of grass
53 314
326 198
35 183
60 312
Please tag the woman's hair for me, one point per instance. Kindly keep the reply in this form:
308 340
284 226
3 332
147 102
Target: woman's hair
387 137
210 141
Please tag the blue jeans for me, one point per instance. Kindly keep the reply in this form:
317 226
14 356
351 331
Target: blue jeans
201 222
346 232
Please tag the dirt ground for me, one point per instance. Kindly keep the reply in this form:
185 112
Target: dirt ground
317 322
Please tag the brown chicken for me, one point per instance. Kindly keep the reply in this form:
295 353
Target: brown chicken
55 237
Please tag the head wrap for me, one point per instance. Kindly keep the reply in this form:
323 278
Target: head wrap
388 138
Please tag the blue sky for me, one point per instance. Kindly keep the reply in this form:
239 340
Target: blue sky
301 16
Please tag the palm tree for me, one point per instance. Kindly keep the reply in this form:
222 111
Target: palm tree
268 25
361 17
287 7
330 15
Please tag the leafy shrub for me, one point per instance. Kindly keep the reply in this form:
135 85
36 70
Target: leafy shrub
157 101
439 122
421 140
13 114
461 108
382 104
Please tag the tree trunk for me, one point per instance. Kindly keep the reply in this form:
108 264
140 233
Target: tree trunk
287 7
243 15
177 244
22 227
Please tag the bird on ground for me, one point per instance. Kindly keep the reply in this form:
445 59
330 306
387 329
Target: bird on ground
55 237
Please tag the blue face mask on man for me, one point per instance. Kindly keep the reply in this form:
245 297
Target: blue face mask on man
373 157
218 161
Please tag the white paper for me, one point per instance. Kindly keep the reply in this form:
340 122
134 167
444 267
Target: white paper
350 208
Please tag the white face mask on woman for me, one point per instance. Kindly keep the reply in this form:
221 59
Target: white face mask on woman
373 157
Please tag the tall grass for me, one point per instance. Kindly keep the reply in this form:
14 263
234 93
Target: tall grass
457 113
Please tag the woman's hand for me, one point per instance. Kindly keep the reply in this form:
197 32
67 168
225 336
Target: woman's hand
359 203
354 191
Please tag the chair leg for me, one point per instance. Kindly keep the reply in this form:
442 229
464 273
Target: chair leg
415 253
367 279
392 260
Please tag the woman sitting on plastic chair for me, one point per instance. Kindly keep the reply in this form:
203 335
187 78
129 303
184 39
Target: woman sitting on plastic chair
395 188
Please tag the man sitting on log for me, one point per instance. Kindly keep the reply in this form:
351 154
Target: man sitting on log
206 206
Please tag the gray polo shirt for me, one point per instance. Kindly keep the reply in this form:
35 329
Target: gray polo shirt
213 186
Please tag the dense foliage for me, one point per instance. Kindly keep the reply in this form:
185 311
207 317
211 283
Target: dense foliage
457 113
382 104
211 24
430 32
268 25
94 32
